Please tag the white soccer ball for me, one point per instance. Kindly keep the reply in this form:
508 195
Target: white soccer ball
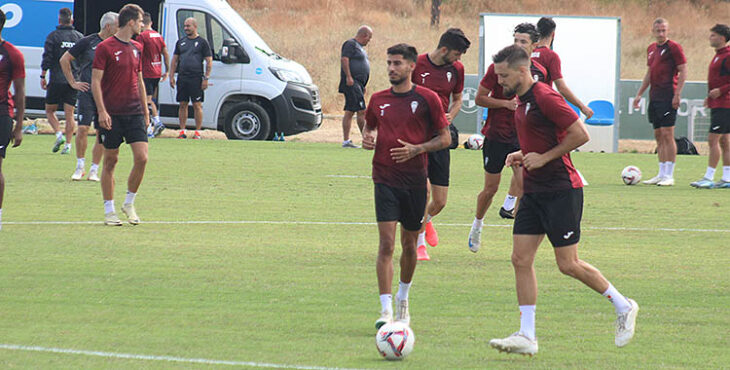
631 175
475 141
395 340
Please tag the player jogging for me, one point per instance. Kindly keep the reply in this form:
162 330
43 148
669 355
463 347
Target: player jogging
442 72
120 98
83 52
12 70
399 125
154 51
552 205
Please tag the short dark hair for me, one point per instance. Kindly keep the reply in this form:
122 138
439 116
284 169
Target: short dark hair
454 39
2 19
529 29
129 12
722 30
65 16
513 55
407 51
545 27
147 18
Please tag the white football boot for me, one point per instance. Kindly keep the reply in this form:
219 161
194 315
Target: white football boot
401 311
626 324
385 317
653 181
475 239
515 343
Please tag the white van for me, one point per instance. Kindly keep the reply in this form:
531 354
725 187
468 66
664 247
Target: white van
253 92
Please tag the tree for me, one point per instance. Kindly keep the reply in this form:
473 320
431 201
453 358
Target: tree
435 12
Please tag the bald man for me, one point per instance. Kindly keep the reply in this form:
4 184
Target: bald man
187 61
354 75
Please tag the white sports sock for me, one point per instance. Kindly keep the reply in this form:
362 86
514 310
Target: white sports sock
80 163
509 202
59 134
386 303
428 218
726 173
527 321
619 301
421 239
403 291
478 222
130 197
710 173
94 167
662 169
669 169
109 206
68 145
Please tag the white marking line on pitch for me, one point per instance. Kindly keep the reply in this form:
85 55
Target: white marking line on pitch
350 176
220 222
15 347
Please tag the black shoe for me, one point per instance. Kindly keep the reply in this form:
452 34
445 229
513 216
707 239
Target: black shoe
506 214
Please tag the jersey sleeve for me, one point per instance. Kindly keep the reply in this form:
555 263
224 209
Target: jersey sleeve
207 51
555 68
678 54
556 109
438 116
489 81
725 71
79 48
48 53
348 49
101 57
18 64
459 87
648 53
177 48
371 117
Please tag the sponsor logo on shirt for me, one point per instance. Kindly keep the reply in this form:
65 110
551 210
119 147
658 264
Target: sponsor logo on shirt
182 43
67 44
423 77
414 106
382 109
117 54
535 54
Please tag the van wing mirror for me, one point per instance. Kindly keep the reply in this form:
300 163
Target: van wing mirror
232 52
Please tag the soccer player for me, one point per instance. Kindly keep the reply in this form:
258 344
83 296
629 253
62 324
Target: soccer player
354 76
545 55
120 97
12 70
58 90
718 100
400 123
83 54
500 137
154 51
552 205
442 72
187 61
666 73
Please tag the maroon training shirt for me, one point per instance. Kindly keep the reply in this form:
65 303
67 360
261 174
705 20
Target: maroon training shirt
551 61
500 124
412 117
152 44
444 80
663 61
541 120
719 78
121 62
12 66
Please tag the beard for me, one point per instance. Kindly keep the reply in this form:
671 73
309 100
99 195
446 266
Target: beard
396 81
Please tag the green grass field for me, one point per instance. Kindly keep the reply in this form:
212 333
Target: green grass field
283 272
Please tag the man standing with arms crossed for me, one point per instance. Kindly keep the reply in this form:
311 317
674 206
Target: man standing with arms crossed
83 53
354 76
120 98
666 74
442 72
187 61
552 205
12 70
154 51
64 37
718 100
400 126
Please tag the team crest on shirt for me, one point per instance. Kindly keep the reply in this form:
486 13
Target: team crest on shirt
1 57
134 51
196 44
714 61
382 109
423 77
527 108
535 78
414 106
662 52
448 76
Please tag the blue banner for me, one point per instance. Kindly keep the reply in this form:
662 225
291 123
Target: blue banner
30 21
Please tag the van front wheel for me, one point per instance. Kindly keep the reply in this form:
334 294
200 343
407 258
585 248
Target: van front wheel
247 121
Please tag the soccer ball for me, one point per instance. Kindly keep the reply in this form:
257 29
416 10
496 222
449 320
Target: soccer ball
631 175
394 340
475 142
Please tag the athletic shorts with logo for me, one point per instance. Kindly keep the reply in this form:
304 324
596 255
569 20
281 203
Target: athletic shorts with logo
87 111
720 121
494 153
661 113
124 128
556 213
354 97
6 132
151 85
58 93
439 163
189 89
397 204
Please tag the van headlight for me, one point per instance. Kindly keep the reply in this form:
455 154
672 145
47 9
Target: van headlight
286 75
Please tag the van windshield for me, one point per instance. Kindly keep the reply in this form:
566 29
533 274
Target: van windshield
251 36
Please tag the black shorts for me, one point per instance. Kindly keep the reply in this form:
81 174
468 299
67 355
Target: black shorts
354 97
438 167
151 85
661 113
556 214
720 121
189 89
87 111
6 132
124 128
494 153
404 205
59 93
